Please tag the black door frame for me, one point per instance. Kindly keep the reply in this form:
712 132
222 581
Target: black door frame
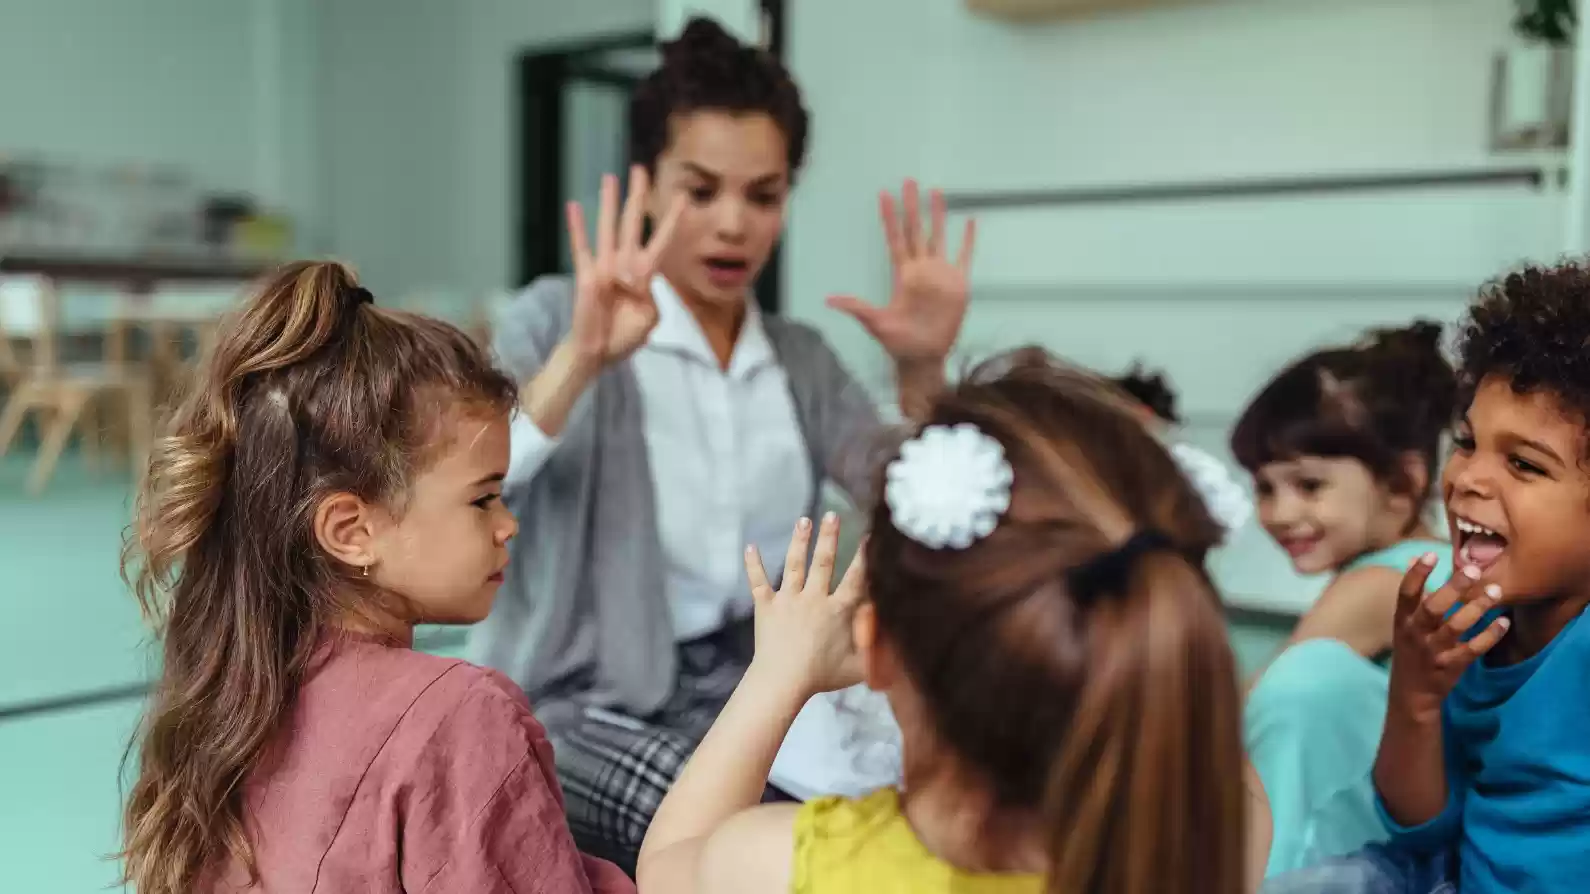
543 74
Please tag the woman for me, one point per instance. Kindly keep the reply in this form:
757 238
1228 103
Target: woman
666 424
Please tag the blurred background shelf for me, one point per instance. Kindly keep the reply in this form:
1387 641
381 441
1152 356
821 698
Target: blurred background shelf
139 272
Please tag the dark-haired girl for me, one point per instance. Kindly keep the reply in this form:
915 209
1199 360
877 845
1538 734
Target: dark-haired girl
666 422
1344 447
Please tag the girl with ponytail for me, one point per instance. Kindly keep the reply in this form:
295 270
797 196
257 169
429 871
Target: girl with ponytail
334 479
1033 603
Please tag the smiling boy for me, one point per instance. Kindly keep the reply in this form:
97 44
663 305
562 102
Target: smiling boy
1483 773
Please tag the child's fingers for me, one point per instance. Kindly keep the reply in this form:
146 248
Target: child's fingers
1431 614
852 586
822 574
795 560
1467 615
761 590
1411 591
1487 640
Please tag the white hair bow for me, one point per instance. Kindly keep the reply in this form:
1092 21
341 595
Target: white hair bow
1227 500
949 486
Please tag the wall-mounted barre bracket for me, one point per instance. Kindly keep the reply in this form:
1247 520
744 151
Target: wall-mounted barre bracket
1533 176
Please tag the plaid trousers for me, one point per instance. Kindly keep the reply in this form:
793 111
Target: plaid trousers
615 768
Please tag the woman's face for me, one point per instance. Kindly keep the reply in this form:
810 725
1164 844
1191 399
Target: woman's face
733 171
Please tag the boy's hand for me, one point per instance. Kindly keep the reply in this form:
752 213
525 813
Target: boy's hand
1429 653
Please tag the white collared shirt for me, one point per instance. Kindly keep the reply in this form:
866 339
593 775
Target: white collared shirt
728 461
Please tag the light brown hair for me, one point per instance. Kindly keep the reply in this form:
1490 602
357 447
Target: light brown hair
1114 713
311 390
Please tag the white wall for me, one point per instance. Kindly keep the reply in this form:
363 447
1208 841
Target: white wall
420 132
1218 293
495 32
218 89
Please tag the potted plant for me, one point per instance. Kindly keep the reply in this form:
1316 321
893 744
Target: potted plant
1534 77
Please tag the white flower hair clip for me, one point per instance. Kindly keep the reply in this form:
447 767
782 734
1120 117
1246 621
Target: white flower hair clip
1226 499
949 487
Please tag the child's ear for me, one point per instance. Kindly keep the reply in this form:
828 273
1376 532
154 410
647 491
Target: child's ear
1406 492
344 526
1416 475
877 660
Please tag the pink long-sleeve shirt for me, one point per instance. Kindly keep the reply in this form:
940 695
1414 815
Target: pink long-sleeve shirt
397 771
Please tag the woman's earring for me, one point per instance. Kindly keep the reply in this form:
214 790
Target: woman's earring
364 571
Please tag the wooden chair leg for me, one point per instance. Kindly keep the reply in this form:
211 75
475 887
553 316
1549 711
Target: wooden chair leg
91 429
54 441
140 428
11 418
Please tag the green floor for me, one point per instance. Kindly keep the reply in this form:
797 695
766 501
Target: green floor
71 633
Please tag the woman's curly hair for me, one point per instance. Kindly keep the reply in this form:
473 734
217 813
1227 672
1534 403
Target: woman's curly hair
1532 328
707 69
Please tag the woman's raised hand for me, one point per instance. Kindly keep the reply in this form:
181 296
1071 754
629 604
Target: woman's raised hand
928 301
613 308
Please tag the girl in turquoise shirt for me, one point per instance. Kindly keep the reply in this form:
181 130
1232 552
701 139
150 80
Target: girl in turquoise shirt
1343 446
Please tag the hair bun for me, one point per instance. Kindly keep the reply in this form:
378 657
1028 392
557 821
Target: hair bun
1426 333
1415 368
702 36
1421 338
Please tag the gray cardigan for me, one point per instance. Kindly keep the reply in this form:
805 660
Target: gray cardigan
584 580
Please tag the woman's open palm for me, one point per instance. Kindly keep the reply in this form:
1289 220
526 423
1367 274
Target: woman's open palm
613 308
928 301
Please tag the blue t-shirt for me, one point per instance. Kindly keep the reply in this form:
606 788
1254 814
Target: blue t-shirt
1517 742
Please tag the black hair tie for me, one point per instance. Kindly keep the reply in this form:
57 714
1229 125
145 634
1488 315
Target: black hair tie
1108 572
358 295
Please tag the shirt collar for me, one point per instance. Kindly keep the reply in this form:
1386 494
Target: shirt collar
677 331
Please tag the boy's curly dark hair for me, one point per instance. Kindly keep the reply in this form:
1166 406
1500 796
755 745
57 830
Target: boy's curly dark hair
1152 390
1532 328
707 69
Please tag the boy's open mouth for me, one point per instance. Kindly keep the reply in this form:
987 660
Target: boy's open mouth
1478 545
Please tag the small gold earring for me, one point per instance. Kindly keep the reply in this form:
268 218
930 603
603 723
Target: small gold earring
364 571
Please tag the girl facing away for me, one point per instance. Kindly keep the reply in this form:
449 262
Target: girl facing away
1344 447
1042 626
334 479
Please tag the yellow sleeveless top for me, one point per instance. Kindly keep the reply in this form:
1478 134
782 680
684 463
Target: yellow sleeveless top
865 846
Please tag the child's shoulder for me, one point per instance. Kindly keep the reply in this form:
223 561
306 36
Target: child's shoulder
839 817
468 693
428 695
1400 555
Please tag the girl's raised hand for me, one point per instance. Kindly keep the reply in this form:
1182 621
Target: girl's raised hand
613 308
802 630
